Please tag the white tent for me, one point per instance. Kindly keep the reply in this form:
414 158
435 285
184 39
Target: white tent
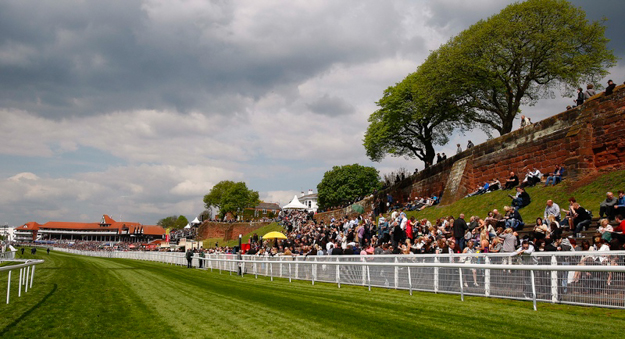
195 221
188 226
295 205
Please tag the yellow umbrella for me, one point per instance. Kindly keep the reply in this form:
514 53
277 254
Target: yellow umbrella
274 235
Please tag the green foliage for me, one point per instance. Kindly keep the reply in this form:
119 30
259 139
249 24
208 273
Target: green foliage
521 55
168 222
413 117
229 196
181 222
345 183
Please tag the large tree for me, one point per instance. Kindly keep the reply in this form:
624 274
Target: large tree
523 54
173 221
229 196
415 115
345 183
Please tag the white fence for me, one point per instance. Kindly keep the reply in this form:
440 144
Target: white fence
26 275
579 278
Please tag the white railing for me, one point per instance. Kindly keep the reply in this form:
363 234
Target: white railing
26 273
8 255
579 278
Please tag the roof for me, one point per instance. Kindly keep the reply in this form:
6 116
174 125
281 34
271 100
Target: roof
268 206
295 205
131 227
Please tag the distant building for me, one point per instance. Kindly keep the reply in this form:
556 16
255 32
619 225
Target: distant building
106 230
309 200
264 209
7 232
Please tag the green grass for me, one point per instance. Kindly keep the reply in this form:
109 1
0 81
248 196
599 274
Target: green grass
210 242
589 196
85 297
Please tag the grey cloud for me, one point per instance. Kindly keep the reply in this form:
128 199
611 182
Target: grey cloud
330 106
94 57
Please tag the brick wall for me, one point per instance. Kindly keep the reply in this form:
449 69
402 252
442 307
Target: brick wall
227 231
586 140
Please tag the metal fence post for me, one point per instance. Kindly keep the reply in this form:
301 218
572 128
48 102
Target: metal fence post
32 276
271 270
19 289
338 274
409 280
9 287
436 275
289 272
487 278
369 277
554 281
313 271
461 284
396 274
26 281
533 289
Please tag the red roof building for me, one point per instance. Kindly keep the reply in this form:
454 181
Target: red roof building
106 230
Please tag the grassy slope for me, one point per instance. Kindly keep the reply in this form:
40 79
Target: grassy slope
91 297
589 196
210 242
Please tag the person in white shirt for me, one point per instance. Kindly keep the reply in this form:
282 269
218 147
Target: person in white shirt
552 209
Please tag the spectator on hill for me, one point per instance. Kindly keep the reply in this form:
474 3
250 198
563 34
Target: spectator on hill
470 144
444 157
495 185
590 91
512 181
605 229
521 199
459 149
619 207
552 209
555 176
581 219
606 207
513 218
438 158
610 89
580 97
525 121
532 177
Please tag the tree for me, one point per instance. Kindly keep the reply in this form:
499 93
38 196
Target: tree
229 196
168 222
414 115
520 55
182 221
345 183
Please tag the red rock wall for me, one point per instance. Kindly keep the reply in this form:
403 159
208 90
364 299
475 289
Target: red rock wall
227 231
585 139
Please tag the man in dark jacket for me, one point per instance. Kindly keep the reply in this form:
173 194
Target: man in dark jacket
189 256
610 88
521 199
460 228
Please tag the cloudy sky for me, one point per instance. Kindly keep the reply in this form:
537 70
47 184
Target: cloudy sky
137 108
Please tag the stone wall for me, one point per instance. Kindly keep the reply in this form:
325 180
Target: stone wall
586 140
227 231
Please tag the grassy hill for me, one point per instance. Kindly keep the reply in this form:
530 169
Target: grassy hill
589 194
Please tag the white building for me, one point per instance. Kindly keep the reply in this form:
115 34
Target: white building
7 232
309 200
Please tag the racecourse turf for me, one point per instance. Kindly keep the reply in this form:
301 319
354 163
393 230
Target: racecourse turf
85 297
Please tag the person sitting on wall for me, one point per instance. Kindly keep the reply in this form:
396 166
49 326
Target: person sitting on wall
606 207
555 176
521 199
512 181
590 91
470 144
525 121
610 89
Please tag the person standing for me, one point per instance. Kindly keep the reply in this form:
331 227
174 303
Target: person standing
189 256
460 228
202 256
459 149
580 97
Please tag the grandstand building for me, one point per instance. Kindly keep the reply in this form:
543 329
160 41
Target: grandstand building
106 230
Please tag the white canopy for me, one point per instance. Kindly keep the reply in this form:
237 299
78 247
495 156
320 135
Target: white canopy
295 205
195 221
188 226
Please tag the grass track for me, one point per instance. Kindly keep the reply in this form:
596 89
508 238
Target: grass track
76 296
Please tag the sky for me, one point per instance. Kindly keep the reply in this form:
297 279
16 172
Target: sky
136 108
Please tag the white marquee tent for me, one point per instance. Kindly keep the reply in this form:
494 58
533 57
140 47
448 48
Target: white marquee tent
295 205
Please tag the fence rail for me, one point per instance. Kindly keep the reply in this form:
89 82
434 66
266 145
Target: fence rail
578 278
26 275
